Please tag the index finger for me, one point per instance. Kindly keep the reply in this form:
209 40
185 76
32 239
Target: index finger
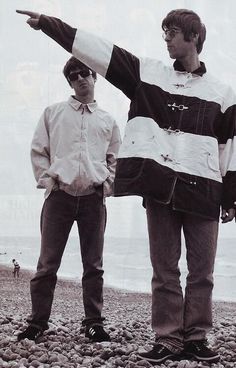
26 12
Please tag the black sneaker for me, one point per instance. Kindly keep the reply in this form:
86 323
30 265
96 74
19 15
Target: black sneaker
158 354
200 351
96 333
31 333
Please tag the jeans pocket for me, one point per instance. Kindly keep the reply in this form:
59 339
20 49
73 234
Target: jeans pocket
99 191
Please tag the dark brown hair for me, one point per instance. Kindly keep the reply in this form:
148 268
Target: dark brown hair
190 24
73 64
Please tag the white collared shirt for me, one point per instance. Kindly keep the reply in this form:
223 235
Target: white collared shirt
75 147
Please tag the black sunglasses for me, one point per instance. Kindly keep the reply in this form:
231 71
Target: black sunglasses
83 73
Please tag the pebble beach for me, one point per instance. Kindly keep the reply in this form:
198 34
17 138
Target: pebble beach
128 322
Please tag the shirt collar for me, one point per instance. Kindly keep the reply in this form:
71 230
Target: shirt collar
76 104
199 71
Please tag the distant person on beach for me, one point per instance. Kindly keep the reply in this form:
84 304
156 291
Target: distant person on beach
73 153
16 270
179 154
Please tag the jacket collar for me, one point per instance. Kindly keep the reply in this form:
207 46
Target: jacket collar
199 71
76 104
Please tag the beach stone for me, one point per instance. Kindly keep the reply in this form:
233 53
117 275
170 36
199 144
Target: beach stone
96 364
184 364
43 358
79 360
119 362
1 362
105 344
53 358
133 357
5 341
57 349
62 358
232 345
107 353
35 363
86 361
99 360
23 361
7 355
14 356
64 329
131 348
52 345
127 335
32 357
120 351
87 352
131 365
144 363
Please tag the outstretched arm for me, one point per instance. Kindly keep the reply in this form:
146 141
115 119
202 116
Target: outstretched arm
117 65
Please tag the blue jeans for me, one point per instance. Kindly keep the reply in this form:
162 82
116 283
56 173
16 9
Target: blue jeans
175 317
59 212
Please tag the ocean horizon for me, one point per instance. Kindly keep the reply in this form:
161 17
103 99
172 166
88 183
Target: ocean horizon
126 262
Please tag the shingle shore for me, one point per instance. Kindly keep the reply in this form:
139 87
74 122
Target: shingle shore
64 345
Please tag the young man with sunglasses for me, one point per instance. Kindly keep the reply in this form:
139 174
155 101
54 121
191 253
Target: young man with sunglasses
179 154
74 151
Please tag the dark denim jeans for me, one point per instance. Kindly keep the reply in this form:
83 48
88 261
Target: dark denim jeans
176 316
59 212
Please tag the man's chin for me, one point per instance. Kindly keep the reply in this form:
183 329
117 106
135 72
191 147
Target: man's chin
172 56
83 90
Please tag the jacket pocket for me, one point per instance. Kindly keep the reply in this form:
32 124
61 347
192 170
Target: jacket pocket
212 162
129 168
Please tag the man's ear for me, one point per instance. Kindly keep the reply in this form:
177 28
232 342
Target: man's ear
195 37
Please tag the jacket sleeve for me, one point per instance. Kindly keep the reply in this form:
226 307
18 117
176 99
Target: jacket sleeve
111 157
117 65
40 154
59 31
227 150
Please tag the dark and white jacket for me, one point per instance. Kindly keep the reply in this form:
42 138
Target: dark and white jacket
179 142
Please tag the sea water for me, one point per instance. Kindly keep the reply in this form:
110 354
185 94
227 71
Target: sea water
126 262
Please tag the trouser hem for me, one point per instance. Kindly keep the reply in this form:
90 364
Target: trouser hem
93 321
175 346
40 327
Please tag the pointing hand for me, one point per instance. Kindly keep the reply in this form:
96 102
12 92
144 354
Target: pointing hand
33 20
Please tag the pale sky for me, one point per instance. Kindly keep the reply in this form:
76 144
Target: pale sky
31 79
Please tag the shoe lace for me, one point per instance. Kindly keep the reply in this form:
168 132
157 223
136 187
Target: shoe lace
200 345
159 348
